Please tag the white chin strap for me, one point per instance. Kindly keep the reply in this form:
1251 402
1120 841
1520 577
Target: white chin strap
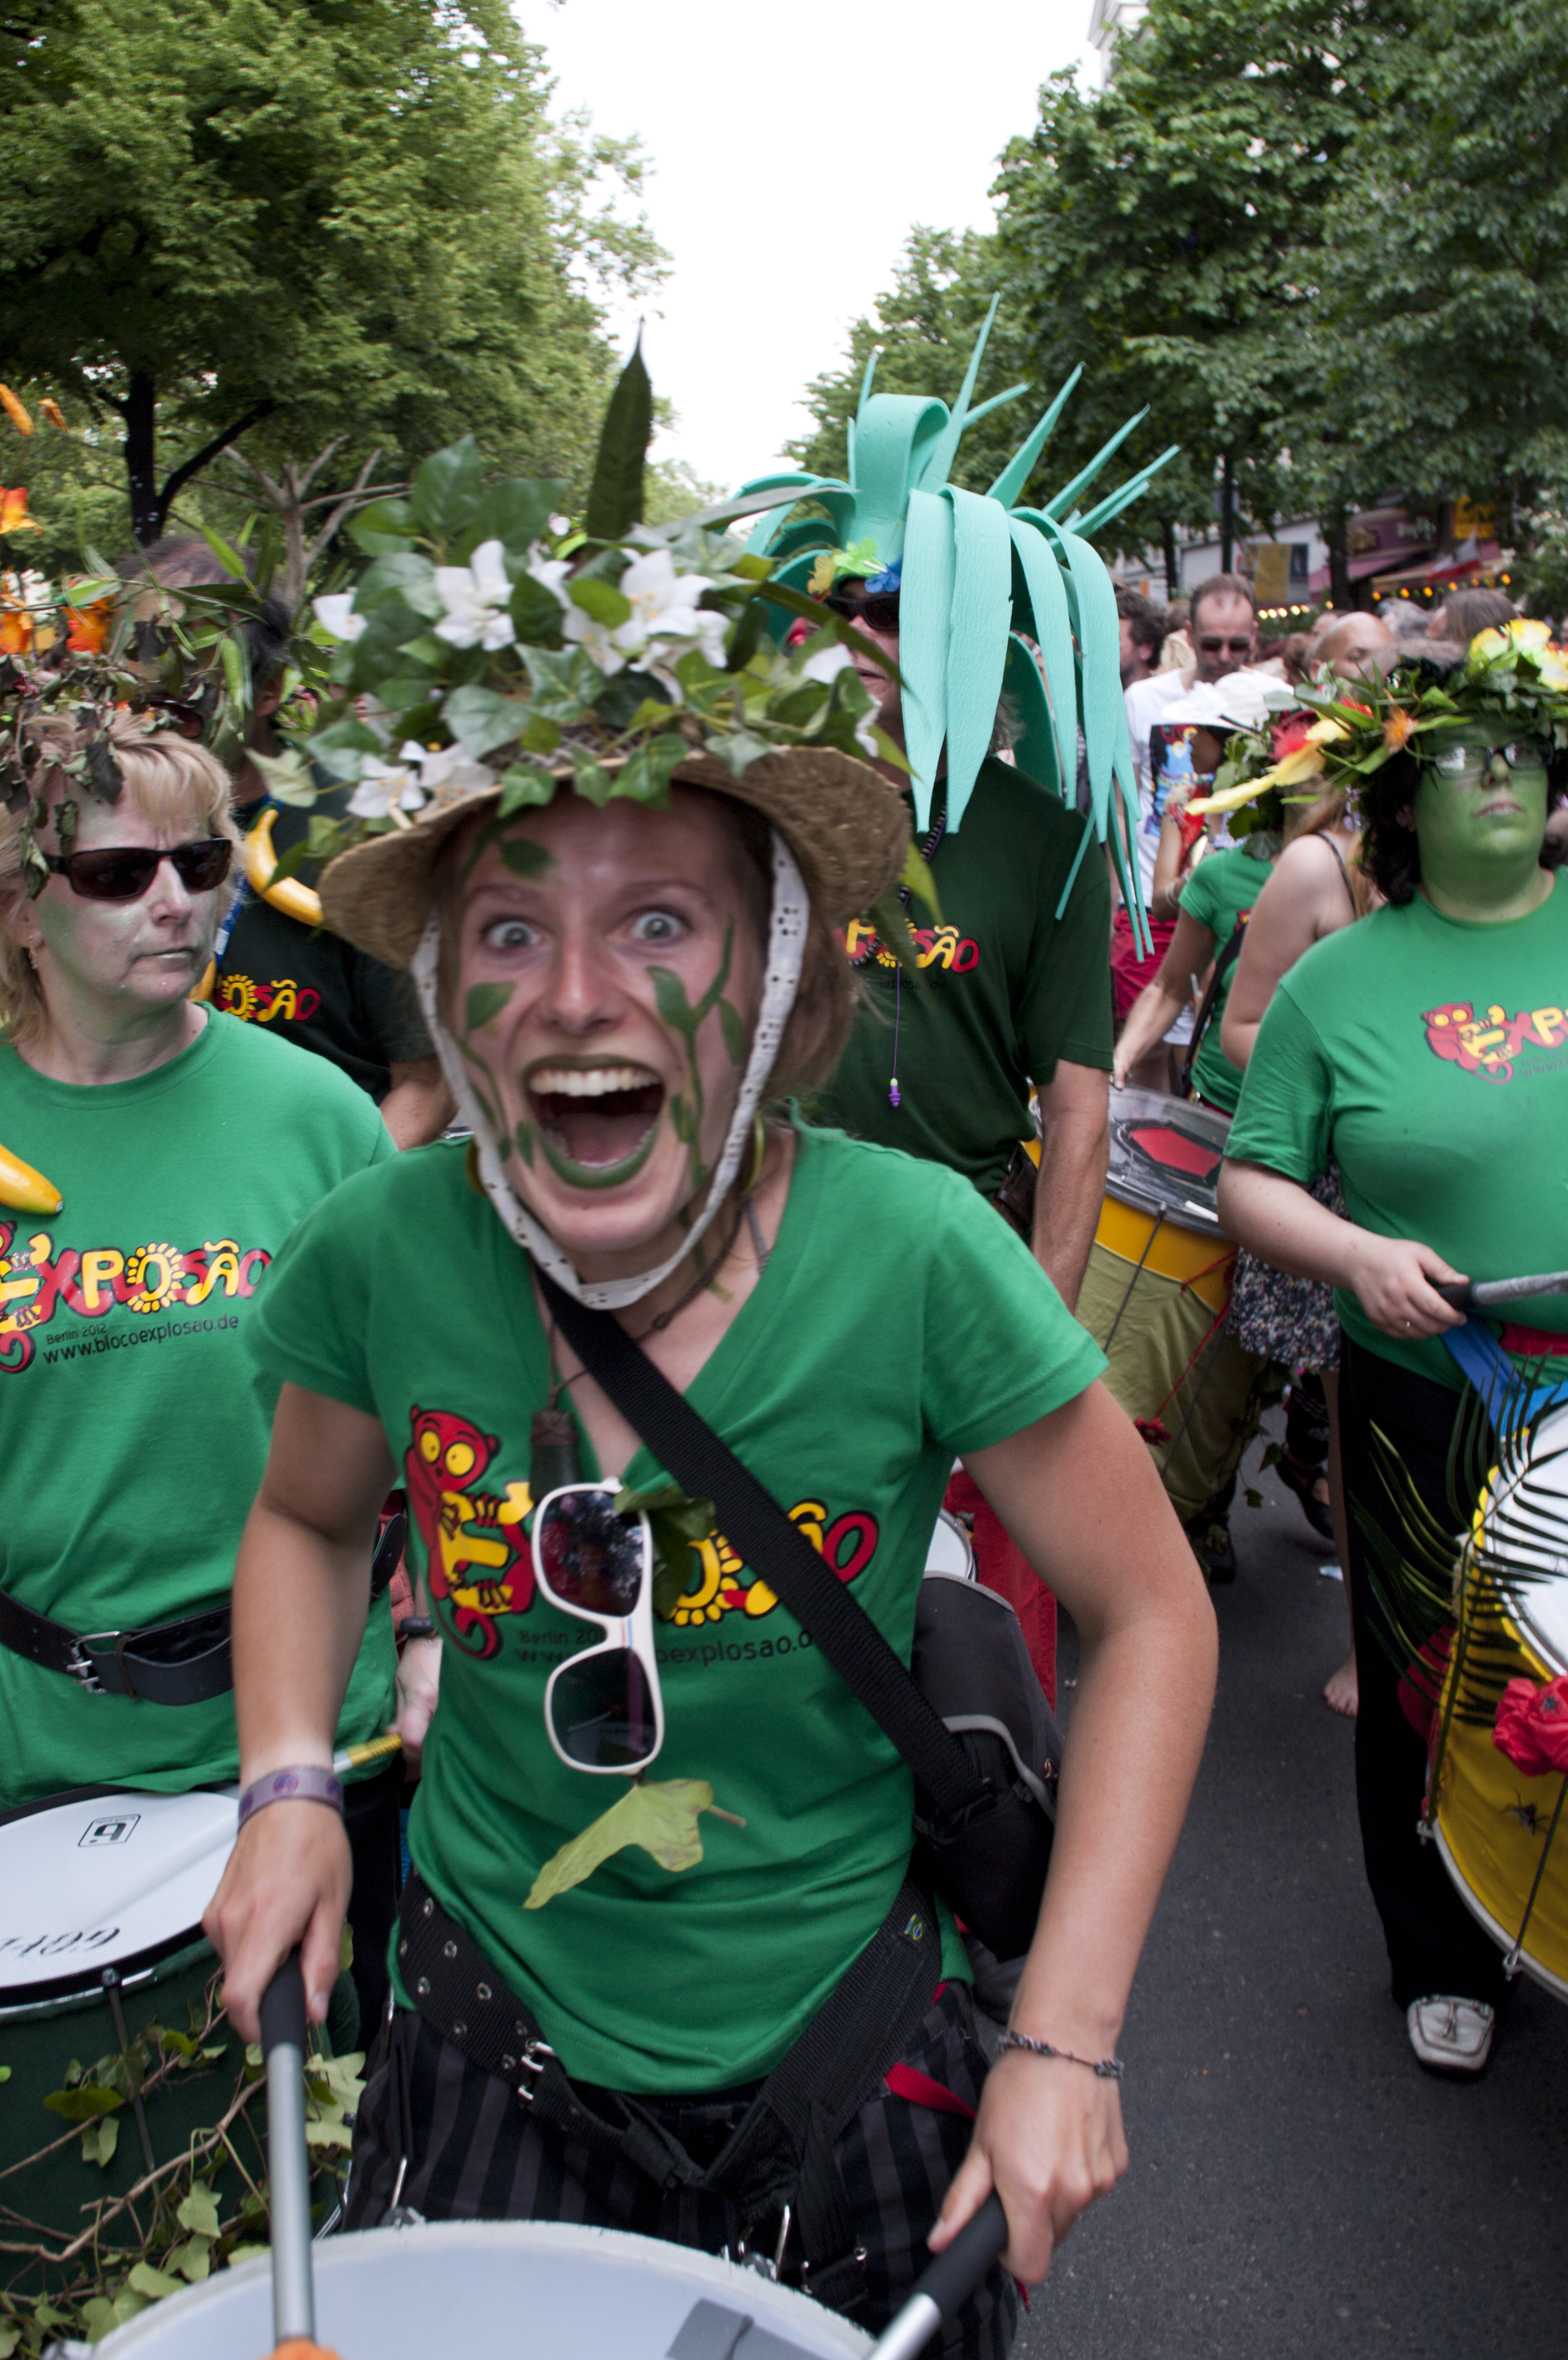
786 948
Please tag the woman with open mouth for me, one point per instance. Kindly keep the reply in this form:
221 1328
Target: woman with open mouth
626 1000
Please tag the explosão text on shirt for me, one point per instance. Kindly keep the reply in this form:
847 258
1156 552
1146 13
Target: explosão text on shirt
280 1001
941 946
481 1561
1492 1044
39 1278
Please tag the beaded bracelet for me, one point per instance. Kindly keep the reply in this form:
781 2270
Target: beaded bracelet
1110 2069
311 1784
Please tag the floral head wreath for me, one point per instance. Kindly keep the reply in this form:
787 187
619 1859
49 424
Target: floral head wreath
87 651
1347 731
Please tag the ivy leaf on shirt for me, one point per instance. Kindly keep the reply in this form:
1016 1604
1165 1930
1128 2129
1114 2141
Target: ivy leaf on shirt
662 1819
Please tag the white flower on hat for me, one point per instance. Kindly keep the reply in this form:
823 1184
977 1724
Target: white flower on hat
477 599
447 772
551 571
386 787
826 666
664 613
337 617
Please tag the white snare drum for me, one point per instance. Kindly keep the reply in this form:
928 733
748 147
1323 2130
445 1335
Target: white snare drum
515 2286
1504 1837
105 1879
951 1550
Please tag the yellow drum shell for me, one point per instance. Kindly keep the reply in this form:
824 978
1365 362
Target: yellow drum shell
1492 1822
1161 1326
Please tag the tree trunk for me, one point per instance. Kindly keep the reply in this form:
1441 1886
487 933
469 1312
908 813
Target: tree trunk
139 412
1172 562
1334 524
1227 512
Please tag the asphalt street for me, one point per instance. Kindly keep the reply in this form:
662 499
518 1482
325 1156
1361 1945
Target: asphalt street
1298 2185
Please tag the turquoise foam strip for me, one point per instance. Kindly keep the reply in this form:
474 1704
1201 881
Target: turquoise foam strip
977 640
1009 486
1053 629
925 606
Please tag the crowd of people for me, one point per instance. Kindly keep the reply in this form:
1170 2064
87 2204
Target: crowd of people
365 1197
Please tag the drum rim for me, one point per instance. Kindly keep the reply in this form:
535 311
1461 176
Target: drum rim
1500 1934
616 2247
62 1991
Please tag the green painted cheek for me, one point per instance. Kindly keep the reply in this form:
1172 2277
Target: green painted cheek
678 1016
525 1142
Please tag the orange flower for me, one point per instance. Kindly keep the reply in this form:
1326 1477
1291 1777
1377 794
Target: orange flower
15 631
1399 729
14 412
14 517
51 414
89 628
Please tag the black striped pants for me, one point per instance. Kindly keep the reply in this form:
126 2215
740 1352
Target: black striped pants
473 2153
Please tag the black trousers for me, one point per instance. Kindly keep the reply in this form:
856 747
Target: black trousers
1434 1944
371 1816
452 2143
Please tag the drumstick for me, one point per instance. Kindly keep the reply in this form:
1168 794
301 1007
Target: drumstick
374 1749
1467 1294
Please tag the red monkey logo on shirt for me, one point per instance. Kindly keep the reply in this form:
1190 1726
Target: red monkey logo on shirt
1489 1045
473 1540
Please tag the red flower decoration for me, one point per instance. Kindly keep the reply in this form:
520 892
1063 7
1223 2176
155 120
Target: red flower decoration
1289 736
1531 1727
798 633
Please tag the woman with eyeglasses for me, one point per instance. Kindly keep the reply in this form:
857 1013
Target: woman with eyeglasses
186 1146
1421 1050
625 999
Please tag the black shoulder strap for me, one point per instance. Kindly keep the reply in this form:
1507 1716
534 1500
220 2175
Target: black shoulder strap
758 1528
1222 966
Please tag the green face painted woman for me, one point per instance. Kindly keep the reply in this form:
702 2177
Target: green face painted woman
1479 816
608 975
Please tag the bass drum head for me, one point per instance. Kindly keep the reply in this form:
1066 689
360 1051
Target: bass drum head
1166 1155
106 1878
1525 1521
518 2286
951 1550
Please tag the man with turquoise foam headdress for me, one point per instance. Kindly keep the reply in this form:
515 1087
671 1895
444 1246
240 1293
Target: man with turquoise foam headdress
998 632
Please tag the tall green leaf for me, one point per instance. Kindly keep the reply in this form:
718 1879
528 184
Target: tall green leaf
615 496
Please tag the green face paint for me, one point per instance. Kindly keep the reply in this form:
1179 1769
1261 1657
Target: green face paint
596 1176
1480 811
677 1012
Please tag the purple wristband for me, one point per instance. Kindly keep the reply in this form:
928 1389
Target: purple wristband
306 1786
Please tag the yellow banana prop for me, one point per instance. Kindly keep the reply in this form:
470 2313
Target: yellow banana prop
294 900
27 1190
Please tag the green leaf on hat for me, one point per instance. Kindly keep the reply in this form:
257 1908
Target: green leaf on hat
614 495
446 491
600 600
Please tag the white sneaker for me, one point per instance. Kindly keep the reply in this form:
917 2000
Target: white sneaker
1451 2036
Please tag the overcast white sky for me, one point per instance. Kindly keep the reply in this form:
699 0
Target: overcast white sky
756 121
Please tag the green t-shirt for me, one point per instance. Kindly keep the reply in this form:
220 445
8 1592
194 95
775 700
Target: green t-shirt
135 1434
1427 1057
898 1321
1220 892
1009 987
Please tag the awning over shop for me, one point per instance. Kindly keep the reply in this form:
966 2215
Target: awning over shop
1473 562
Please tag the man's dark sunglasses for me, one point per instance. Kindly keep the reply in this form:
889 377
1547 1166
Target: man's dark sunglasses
878 612
1229 646
122 872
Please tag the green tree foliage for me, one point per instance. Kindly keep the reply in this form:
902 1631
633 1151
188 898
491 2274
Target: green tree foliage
1445 283
295 220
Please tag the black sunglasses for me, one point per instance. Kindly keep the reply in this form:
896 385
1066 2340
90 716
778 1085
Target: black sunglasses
878 612
122 872
1230 647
